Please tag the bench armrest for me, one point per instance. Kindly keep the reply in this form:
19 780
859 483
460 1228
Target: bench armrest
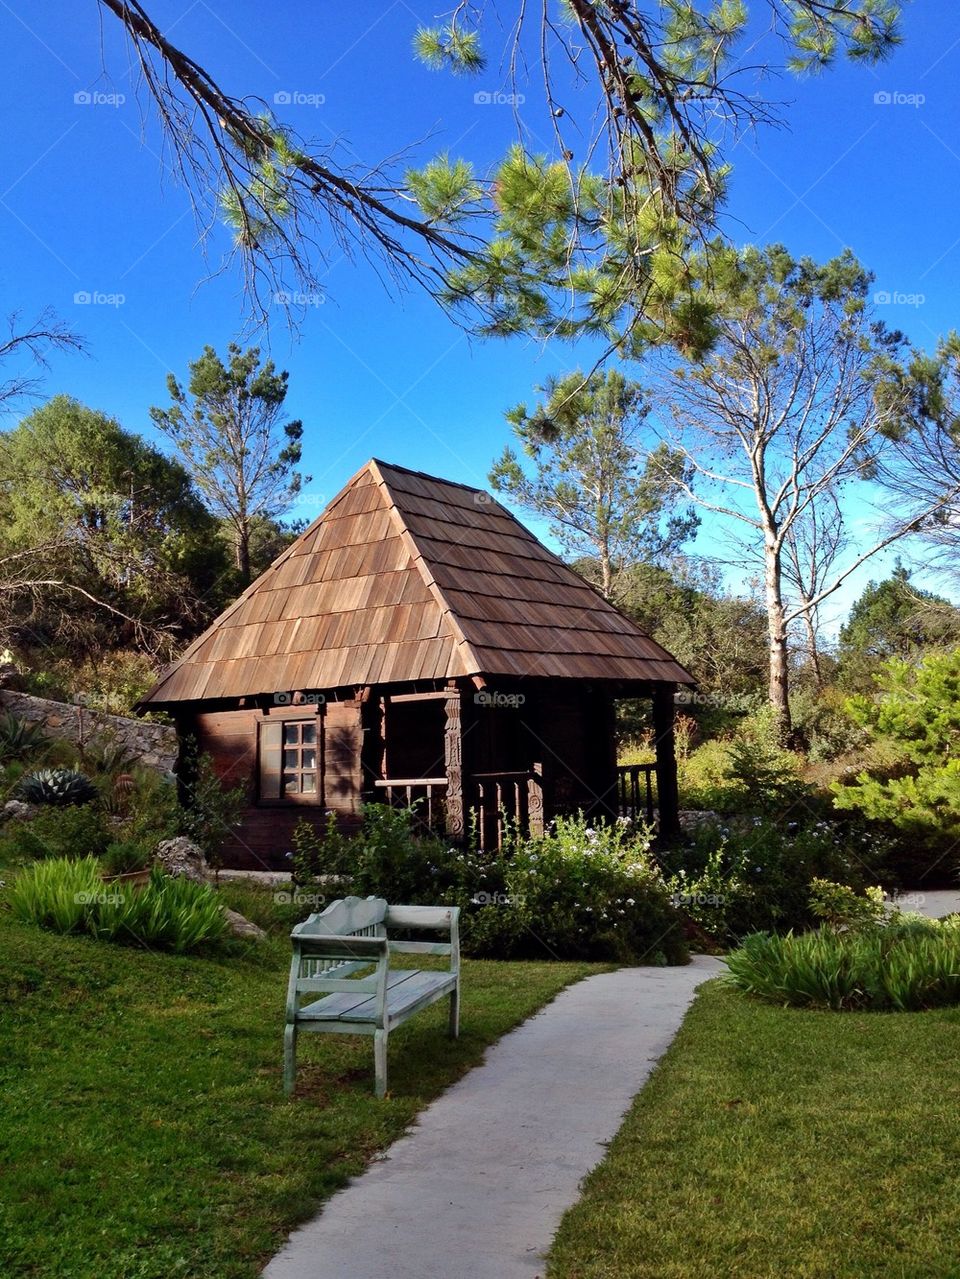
340 945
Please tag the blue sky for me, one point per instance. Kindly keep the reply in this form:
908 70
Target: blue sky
84 207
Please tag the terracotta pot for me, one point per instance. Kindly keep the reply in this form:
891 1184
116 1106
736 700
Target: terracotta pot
131 877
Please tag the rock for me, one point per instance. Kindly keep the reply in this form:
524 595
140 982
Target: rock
10 677
181 857
18 810
694 819
240 926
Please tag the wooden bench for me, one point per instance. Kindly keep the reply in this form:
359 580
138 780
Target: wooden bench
347 938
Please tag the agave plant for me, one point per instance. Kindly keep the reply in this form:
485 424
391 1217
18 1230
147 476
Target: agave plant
58 786
18 737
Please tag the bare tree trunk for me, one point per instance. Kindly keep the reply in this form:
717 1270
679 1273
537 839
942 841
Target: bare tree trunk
606 574
812 646
779 692
242 547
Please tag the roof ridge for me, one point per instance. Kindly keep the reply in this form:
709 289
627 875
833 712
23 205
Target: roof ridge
436 591
424 475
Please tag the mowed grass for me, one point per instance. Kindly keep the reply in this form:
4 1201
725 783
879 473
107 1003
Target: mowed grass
144 1133
780 1142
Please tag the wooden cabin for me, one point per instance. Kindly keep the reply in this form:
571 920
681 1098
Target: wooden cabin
417 644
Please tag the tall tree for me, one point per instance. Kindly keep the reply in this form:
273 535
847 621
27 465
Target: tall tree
802 392
590 479
93 514
649 91
893 619
231 431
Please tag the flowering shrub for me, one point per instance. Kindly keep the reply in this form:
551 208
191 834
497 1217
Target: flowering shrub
755 875
592 891
581 890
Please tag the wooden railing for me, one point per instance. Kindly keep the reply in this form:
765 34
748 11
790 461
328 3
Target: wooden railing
425 795
636 791
501 802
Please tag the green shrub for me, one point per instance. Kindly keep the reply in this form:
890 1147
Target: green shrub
901 967
210 812
170 913
319 853
591 891
123 857
56 832
70 896
823 727
917 712
59 787
705 779
755 874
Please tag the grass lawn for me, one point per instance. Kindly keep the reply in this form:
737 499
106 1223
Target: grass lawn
144 1132
773 1142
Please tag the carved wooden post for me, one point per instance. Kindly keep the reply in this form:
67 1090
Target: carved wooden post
668 800
535 800
453 766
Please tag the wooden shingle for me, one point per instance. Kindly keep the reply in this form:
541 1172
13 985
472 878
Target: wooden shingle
405 578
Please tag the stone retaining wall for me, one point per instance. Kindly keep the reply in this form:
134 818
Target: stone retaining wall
153 745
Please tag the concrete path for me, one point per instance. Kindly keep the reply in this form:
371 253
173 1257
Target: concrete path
476 1189
934 903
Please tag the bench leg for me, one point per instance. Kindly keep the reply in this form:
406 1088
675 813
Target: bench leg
380 1061
289 1058
455 1013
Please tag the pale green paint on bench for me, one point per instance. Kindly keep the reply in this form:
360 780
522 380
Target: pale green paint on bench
350 937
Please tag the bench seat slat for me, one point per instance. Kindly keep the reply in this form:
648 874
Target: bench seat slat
407 991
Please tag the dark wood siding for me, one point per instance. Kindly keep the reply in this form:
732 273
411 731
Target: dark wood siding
264 839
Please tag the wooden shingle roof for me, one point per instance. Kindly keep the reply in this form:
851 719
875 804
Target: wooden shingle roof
405 577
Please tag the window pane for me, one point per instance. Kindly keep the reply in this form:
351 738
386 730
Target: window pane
309 734
290 758
291 784
308 758
291 734
309 784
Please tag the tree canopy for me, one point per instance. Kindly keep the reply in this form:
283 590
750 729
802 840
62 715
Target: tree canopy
606 493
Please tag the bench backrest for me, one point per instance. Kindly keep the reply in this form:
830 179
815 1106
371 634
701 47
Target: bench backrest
351 916
431 918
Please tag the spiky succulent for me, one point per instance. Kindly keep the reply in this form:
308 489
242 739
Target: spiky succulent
57 786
